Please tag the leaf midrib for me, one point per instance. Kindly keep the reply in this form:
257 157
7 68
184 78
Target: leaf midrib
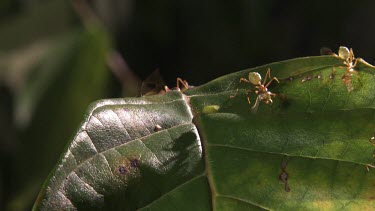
287 154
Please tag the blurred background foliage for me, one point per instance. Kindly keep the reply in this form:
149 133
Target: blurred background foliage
56 57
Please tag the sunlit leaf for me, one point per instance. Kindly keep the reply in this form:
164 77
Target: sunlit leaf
310 149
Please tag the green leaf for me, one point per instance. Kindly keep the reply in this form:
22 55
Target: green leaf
308 150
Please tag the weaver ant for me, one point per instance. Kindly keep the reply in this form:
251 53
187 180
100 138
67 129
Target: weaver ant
350 61
261 88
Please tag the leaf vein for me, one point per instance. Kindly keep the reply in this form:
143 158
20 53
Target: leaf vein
66 197
91 140
109 167
243 201
123 126
286 154
87 184
98 153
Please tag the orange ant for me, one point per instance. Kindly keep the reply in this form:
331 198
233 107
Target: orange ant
154 84
350 62
349 58
261 88
181 85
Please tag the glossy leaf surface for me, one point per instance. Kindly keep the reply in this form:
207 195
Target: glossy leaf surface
308 150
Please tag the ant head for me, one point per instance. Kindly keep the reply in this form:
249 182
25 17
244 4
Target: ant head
255 78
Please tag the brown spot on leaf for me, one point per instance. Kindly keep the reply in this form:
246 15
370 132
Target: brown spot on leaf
122 170
284 176
134 163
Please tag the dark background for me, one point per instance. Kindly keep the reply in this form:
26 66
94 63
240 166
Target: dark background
56 57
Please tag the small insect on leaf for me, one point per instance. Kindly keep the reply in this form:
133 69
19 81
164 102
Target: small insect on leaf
210 109
263 95
350 62
157 128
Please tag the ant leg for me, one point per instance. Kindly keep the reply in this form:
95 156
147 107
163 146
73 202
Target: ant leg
364 62
268 75
351 54
166 89
235 94
256 105
369 165
356 61
268 101
244 80
274 78
248 98
183 82
241 80
178 80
